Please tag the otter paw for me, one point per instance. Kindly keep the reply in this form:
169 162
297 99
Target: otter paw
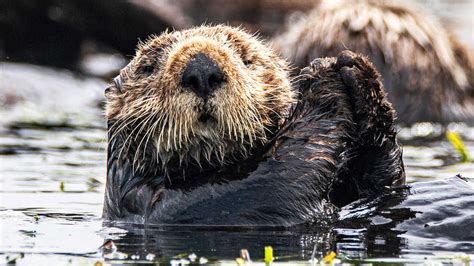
372 110
360 77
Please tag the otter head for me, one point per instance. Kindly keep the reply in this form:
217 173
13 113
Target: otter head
207 95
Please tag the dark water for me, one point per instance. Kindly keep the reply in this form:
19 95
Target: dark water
52 173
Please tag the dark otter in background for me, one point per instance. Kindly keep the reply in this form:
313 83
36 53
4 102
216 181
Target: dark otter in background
205 128
428 74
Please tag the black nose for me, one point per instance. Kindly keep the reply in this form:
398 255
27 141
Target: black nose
202 75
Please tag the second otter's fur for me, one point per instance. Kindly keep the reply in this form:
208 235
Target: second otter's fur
428 74
205 128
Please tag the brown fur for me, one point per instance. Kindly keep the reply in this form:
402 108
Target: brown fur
151 104
428 74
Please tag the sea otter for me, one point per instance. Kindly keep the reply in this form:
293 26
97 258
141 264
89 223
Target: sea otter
427 72
206 127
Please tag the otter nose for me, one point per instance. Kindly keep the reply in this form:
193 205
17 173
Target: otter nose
202 75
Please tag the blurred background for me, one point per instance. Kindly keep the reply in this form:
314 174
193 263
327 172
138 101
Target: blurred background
92 36
93 39
56 58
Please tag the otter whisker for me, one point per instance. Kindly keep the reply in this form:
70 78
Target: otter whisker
129 138
176 131
147 119
150 117
161 132
180 133
169 122
150 132
122 125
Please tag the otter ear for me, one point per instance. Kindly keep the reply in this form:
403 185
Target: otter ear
118 82
115 87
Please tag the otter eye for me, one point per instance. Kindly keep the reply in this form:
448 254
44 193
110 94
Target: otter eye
148 70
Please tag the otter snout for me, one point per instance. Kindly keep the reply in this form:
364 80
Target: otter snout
202 75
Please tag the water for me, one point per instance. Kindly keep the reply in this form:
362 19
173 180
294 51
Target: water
52 172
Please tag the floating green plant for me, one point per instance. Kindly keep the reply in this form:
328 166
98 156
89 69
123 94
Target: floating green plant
458 144
329 258
268 254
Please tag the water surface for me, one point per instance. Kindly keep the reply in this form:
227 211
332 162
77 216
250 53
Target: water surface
52 172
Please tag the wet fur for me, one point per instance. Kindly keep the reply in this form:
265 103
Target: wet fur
151 94
332 144
428 74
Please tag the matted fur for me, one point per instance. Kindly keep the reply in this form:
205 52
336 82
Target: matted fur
428 74
151 107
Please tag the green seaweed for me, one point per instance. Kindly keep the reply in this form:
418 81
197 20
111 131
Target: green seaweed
458 144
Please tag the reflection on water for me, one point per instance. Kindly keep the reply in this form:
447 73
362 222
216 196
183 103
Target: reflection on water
61 141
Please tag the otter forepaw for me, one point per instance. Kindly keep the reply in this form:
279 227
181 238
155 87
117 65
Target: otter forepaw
372 110
377 160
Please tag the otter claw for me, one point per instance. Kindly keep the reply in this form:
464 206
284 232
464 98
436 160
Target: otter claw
350 65
316 66
349 76
347 59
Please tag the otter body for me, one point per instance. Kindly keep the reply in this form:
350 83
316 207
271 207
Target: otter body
206 128
427 72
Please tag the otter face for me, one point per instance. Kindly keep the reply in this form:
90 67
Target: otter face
208 94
